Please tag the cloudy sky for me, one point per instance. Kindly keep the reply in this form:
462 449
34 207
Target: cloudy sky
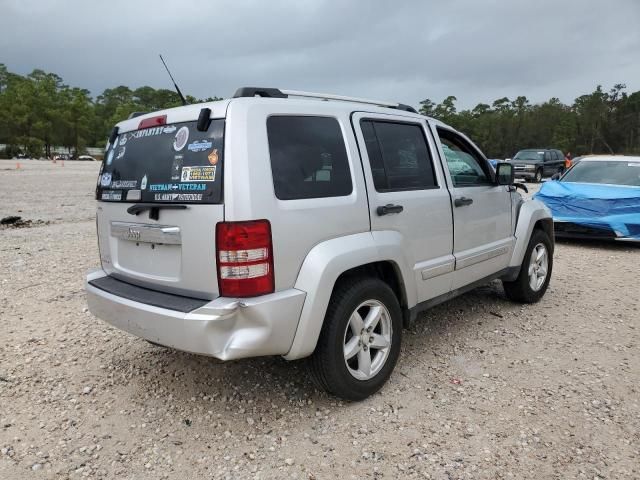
397 50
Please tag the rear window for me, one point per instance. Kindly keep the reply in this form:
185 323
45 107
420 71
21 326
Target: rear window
308 157
623 172
167 164
529 155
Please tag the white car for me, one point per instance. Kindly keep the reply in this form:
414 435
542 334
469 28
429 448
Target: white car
301 224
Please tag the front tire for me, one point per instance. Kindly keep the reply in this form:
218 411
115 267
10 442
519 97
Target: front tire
538 177
535 271
359 343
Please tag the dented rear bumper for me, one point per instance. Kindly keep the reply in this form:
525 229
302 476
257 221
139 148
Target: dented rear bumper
225 328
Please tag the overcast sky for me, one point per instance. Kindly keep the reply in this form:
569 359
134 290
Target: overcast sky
477 50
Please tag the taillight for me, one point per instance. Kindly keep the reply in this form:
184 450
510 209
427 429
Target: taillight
244 255
152 122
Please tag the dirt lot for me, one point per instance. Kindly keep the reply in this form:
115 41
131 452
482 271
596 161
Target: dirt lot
484 388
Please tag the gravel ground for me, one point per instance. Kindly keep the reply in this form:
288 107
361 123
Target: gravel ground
484 388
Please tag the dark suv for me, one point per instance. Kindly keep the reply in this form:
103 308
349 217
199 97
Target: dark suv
533 164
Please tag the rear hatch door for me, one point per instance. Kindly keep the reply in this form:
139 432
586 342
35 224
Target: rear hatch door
160 195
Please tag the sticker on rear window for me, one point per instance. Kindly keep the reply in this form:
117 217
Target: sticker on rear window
169 129
105 180
121 152
143 183
176 167
168 187
134 195
124 184
110 157
172 197
198 174
213 156
111 195
200 146
181 139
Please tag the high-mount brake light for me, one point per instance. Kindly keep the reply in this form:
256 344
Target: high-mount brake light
244 257
152 122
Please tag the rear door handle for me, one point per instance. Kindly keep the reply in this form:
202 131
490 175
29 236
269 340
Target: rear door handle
389 208
462 201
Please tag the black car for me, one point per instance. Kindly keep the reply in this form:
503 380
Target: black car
536 163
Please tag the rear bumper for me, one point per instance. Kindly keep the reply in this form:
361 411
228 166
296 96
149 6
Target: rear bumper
225 328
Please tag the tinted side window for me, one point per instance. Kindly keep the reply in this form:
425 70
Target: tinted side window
466 167
398 155
308 157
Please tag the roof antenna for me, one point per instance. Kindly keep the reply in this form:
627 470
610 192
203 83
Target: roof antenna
184 102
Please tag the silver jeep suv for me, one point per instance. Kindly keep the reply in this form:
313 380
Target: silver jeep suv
303 225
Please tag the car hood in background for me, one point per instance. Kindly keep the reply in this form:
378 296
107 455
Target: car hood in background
594 205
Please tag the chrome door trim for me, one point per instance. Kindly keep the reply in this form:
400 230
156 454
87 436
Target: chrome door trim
483 255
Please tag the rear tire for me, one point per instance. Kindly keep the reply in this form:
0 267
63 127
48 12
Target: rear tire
535 273
359 343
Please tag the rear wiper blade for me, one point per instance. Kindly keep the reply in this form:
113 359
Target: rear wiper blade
154 209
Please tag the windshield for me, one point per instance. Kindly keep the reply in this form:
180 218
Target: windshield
170 163
529 155
621 172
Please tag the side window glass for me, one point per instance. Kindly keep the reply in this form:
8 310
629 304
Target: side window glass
547 156
465 166
398 155
308 157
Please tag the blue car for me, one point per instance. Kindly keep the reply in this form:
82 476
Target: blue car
598 198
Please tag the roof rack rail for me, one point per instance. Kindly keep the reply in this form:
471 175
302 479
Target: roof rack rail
259 91
277 93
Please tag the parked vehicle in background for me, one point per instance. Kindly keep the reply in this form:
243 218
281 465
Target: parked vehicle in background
287 225
86 158
494 162
535 164
597 198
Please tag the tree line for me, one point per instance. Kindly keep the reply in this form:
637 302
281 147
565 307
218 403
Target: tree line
600 122
39 111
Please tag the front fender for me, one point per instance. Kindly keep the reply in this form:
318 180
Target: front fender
326 262
531 211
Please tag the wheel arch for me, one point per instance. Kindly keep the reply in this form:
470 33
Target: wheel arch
533 214
343 259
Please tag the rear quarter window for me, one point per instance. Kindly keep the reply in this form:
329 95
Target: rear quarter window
308 157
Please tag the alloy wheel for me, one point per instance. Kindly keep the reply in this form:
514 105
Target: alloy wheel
367 339
538 267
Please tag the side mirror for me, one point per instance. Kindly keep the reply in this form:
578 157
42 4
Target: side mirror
556 176
505 175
